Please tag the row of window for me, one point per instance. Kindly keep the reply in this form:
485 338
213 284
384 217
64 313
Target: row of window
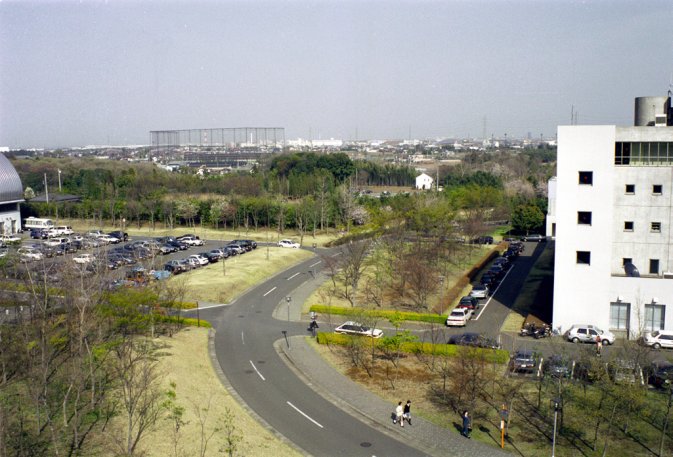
653 320
643 153
587 178
584 218
584 258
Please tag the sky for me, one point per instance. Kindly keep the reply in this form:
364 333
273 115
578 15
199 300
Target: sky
95 72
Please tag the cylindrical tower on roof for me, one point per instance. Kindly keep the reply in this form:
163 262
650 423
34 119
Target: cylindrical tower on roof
651 111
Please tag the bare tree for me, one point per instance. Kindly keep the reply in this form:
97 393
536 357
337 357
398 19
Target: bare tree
232 435
136 369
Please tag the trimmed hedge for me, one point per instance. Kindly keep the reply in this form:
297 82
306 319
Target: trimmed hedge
187 321
386 314
446 350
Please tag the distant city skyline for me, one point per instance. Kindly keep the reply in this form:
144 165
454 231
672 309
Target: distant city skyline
75 74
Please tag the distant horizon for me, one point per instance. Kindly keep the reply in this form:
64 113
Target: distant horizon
93 72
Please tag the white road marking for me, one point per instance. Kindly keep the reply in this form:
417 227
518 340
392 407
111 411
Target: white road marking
206 307
269 292
337 254
313 265
260 374
492 294
242 339
304 414
296 274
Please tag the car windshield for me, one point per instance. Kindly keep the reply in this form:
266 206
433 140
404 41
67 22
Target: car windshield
655 333
457 313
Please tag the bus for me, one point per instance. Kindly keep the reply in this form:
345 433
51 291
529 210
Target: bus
38 223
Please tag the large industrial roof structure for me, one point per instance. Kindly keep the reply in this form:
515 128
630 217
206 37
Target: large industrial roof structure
11 190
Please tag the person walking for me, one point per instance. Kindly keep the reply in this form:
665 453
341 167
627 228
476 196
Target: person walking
407 412
599 345
399 411
467 424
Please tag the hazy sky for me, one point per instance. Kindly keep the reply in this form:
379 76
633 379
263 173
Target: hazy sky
75 73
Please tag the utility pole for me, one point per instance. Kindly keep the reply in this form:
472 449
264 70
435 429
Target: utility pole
46 189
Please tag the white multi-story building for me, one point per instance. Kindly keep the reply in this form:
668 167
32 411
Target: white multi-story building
612 220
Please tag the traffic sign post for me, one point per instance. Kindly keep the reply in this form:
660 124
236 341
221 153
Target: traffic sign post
504 415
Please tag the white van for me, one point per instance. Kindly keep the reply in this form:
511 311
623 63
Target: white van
64 230
659 339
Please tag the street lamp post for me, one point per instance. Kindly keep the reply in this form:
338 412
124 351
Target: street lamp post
556 404
441 293
289 300
59 181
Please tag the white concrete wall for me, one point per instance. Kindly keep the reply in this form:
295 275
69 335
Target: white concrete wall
639 292
580 290
551 207
7 217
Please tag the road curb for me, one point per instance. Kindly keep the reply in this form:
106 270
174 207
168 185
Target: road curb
227 385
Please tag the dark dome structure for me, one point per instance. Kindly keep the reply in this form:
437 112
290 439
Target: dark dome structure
11 190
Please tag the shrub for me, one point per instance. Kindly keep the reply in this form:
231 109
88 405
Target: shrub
187 321
417 347
381 313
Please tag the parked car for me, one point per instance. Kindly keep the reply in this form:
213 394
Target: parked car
479 291
178 244
468 302
237 248
625 371
84 258
212 257
355 328
288 244
585 333
39 234
191 240
63 230
10 239
248 245
489 279
220 253
473 339
121 236
65 248
175 267
557 366
503 262
165 249
534 237
459 317
189 264
483 240
27 254
199 258
524 360
53 242
660 374
658 339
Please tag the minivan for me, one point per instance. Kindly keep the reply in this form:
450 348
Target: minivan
658 339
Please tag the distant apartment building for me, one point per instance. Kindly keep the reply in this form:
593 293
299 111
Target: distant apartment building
612 216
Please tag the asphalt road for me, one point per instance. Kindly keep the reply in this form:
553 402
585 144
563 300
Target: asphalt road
245 333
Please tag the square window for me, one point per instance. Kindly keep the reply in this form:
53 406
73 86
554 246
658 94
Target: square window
628 226
584 217
630 189
584 257
657 189
654 266
626 260
655 227
587 177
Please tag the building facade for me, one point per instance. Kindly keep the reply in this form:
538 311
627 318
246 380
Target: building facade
612 223
11 195
424 182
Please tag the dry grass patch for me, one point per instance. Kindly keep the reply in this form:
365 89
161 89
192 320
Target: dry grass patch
221 282
208 233
186 363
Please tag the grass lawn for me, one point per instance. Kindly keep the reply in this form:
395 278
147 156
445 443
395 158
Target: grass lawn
222 282
205 232
187 364
536 293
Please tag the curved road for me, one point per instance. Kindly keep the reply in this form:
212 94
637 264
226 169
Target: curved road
245 333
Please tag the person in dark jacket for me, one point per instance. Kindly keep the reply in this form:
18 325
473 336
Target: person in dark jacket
467 424
407 412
